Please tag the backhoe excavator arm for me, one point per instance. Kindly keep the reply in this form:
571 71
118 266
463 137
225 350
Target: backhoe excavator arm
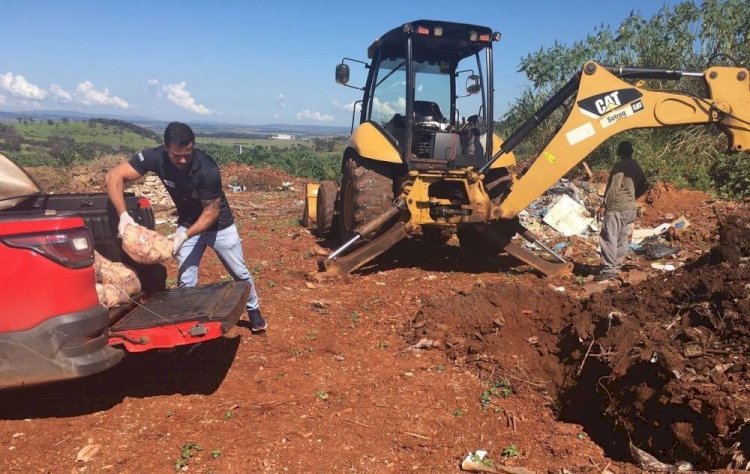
605 105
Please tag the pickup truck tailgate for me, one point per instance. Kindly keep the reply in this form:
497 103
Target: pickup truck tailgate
181 316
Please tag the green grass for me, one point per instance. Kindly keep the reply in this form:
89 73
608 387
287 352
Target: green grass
81 132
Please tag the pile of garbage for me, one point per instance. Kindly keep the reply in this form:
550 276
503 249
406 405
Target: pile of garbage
564 217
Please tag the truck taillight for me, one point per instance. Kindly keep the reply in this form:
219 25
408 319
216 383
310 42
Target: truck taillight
71 248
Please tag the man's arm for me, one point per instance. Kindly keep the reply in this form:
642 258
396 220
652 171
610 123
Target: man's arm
208 217
115 181
614 186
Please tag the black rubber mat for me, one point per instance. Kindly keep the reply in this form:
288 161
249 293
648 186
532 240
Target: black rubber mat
223 302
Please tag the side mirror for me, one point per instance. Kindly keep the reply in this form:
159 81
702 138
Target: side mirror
342 73
473 84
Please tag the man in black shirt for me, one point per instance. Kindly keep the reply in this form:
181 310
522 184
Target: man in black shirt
204 218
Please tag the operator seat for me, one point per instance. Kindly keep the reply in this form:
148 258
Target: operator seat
425 111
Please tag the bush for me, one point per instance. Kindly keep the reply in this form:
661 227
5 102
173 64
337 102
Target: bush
731 176
302 162
682 36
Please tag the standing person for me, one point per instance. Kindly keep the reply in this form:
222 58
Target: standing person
204 218
618 211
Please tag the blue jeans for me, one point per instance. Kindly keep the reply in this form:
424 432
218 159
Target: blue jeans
226 243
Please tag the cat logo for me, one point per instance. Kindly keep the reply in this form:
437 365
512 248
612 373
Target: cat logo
609 102
601 104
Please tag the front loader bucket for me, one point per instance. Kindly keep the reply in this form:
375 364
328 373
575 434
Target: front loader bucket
331 268
548 268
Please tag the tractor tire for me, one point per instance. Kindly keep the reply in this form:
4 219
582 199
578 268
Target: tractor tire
475 244
366 192
324 208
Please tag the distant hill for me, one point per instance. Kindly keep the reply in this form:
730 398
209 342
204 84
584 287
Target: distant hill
200 127
138 130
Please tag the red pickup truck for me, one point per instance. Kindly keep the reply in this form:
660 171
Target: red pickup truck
52 326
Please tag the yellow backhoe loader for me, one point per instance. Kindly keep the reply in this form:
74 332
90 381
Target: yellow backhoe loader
424 158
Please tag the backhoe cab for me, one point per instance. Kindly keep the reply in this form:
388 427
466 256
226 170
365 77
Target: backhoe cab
424 156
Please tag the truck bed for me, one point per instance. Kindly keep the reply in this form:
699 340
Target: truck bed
181 316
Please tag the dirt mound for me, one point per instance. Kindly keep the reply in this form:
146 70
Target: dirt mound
663 364
255 179
510 327
50 179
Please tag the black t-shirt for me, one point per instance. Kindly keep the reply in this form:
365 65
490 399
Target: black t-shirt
188 188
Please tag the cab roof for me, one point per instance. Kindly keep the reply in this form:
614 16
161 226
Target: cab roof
454 44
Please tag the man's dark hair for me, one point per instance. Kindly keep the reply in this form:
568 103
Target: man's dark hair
625 149
178 134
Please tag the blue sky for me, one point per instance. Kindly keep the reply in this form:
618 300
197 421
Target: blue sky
247 62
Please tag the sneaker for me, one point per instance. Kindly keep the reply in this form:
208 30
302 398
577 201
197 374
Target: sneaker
604 276
257 323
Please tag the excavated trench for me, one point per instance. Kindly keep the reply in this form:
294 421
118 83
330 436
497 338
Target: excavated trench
664 365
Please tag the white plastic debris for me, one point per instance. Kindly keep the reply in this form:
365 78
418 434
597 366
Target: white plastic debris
640 234
666 267
568 216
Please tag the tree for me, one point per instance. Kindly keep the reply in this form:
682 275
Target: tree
685 36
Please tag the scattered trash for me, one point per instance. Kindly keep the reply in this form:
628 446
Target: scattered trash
237 188
568 217
654 248
692 349
479 462
681 223
667 267
87 452
649 462
640 234
423 343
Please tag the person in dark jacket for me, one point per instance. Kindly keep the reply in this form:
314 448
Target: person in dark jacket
618 211
204 218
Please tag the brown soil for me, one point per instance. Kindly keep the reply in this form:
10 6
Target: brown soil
412 363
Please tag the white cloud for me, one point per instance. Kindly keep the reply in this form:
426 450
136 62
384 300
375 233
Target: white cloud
87 95
385 110
153 82
59 94
18 86
177 94
281 100
2 99
308 114
346 107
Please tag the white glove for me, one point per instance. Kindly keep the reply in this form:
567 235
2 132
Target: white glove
125 220
178 238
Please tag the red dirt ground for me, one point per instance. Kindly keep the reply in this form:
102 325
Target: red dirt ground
339 383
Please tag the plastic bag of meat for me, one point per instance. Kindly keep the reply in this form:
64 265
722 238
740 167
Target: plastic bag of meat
146 246
115 281
110 296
